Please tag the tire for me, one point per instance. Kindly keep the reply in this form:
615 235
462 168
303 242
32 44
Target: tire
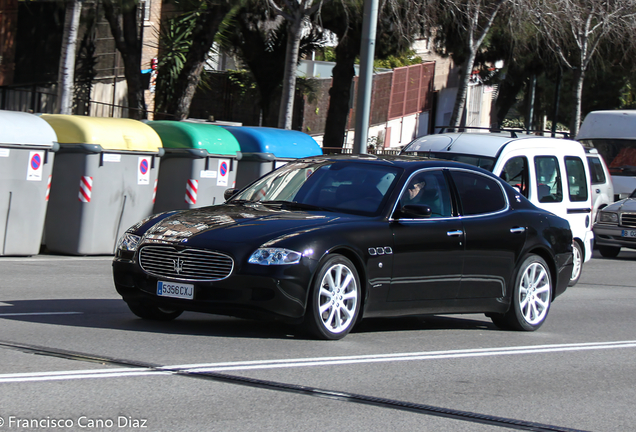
578 257
609 251
151 312
334 299
531 297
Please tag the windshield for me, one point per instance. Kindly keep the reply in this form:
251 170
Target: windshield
337 186
619 154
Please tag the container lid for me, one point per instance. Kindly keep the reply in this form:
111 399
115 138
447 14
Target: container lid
283 143
20 128
186 135
109 133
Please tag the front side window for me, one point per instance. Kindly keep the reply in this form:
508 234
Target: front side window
577 181
429 188
548 175
515 172
479 194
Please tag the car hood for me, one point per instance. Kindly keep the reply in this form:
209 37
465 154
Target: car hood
626 205
239 223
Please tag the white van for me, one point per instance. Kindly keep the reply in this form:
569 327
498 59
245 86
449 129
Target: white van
536 166
613 135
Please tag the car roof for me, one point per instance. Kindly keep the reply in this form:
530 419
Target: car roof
608 124
478 144
407 162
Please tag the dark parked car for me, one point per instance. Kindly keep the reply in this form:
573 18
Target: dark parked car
616 227
327 240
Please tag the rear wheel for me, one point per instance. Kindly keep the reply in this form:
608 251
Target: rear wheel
609 251
152 312
334 302
577 257
531 297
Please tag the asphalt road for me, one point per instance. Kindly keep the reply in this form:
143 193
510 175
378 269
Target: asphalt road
72 357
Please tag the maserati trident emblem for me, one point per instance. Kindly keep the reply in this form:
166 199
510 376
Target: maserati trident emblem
178 265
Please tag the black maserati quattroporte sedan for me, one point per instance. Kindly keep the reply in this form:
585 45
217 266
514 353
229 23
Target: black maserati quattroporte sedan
326 241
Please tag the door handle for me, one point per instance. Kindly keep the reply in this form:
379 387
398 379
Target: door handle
517 230
455 233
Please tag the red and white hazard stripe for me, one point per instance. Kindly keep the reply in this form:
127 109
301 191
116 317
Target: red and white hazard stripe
261 194
86 189
154 192
192 187
48 189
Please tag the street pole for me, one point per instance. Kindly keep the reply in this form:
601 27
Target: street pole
365 81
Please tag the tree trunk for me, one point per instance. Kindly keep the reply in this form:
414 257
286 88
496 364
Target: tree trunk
507 95
289 78
202 39
462 91
132 65
66 76
340 94
579 77
128 43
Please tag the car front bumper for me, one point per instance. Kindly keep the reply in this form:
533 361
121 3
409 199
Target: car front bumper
612 235
267 292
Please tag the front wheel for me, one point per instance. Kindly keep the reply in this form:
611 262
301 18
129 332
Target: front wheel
577 259
609 251
531 297
334 302
151 312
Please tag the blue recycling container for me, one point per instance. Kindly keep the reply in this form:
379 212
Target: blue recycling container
264 149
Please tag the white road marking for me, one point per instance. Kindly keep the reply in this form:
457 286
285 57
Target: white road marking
42 258
38 313
309 362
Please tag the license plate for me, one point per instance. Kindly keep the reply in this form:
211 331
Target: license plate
629 233
175 290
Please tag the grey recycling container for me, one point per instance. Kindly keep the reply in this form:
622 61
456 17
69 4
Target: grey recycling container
27 146
199 164
103 182
263 149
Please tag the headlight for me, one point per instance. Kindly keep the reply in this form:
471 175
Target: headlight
608 217
128 242
275 256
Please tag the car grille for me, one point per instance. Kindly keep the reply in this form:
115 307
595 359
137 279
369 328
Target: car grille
186 264
628 220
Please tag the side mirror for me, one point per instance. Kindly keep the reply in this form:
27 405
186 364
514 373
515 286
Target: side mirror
415 211
229 193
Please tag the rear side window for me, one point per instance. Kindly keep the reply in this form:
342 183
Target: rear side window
596 170
548 174
577 181
479 194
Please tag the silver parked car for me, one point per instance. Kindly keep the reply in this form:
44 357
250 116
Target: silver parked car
616 227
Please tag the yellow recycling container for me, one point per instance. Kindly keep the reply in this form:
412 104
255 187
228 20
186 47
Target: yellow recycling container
103 182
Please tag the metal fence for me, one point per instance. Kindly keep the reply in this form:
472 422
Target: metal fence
37 98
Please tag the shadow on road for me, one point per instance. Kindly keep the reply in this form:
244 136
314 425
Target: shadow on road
114 314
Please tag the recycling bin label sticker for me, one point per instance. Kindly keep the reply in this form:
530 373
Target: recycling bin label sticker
223 172
143 173
207 174
34 170
4 152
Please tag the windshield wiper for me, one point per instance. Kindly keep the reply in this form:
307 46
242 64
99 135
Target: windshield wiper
241 201
295 205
